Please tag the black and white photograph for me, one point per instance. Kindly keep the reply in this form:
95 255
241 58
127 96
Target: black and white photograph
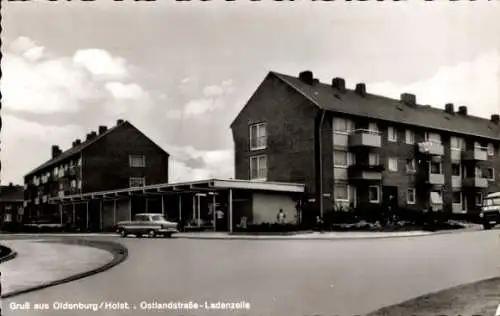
250 157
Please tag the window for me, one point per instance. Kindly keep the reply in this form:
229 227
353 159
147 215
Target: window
393 164
490 174
373 127
410 165
258 167
373 159
79 163
373 194
456 197
342 126
258 136
436 198
455 169
137 182
479 199
491 150
478 172
79 184
392 135
341 192
457 143
340 158
435 167
409 137
137 161
411 196
73 184
433 137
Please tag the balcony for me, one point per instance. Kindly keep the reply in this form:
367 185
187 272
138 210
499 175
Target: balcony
476 154
365 172
456 154
475 182
436 179
365 138
431 148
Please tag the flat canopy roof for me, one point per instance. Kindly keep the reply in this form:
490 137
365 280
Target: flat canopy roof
210 185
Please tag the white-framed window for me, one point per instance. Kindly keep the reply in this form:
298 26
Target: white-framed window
433 137
258 136
392 134
456 197
457 143
73 184
409 137
392 163
79 184
411 196
342 125
478 199
410 166
79 163
135 182
490 174
478 172
491 149
341 192
374 194
435 167
55 172
373 127
456 169
258 167
340 159
137 161
374 159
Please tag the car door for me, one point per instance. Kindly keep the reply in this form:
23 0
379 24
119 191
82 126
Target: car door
136 225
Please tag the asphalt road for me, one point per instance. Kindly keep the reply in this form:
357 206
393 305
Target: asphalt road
344 277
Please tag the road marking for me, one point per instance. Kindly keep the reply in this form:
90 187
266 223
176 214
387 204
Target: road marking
498 311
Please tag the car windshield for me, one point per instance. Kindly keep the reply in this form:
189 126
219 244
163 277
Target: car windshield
157 218
491 202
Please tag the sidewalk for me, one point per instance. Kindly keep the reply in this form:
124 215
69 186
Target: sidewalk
39 262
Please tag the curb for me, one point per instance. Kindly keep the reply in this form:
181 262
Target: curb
11 254
120 254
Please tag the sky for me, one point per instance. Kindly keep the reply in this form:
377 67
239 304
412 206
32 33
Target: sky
181 71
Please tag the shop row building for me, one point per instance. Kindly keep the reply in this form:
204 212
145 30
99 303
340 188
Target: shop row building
296 141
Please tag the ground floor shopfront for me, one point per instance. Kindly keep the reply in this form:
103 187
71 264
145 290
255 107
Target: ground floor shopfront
209 204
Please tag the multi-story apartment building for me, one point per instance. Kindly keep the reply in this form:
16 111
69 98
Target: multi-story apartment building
114 158
354 148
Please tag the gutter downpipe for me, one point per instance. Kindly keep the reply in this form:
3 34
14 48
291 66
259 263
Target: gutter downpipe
320 149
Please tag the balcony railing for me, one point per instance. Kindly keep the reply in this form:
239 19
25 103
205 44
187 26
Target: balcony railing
475 182
432 148
436 179
364 137
476 154
365 172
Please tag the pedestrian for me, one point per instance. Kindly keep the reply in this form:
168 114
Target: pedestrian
319 223
281 217
219 220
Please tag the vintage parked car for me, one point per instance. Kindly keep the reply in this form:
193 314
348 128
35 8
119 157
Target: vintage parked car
490 210
147 223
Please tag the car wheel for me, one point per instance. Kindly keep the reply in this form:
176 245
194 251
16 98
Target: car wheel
123 233
168 235
486 226
151 234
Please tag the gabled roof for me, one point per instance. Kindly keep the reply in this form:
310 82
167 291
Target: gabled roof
74 150
324 96
14 193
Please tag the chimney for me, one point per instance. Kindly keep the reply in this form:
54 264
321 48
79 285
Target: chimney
462 110
11 184
449 108
307 77
102 129
495 118
55 151
119 121
361 89
338 83
409 99
77 142
91 135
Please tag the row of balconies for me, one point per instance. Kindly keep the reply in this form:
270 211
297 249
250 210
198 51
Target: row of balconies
374 173
367 138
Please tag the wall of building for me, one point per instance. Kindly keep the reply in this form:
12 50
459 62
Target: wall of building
267 205
290 118
106 163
